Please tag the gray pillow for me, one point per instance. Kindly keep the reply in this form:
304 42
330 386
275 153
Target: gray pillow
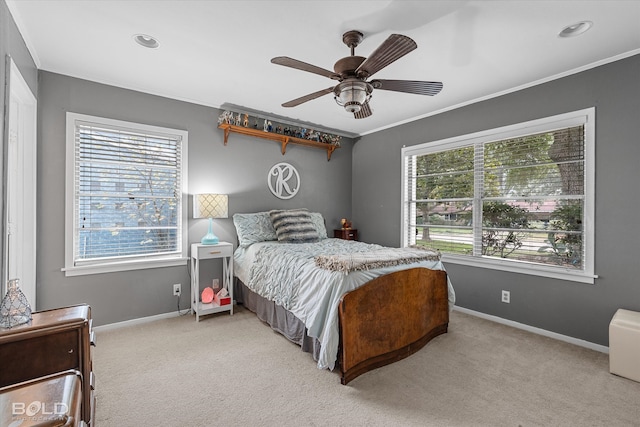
253 228
294 226
318 223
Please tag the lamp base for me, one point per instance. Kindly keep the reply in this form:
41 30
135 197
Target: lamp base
210 239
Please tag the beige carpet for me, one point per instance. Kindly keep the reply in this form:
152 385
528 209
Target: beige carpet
234 371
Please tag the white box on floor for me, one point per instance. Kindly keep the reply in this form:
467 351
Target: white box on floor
624 344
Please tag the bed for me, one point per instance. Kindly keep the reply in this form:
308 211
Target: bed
353 305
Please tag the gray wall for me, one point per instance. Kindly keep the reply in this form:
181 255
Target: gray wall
11 44
577 310
238 169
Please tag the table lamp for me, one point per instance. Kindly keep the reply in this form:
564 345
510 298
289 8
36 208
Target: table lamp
210 206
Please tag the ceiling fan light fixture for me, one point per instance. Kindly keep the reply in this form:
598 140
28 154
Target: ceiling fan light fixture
352 94
352 107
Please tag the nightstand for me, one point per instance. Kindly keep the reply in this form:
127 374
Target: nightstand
200 252
346 233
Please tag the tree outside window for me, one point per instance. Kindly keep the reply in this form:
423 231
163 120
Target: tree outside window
520 198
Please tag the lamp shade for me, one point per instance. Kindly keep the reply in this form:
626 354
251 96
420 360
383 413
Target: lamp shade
210 206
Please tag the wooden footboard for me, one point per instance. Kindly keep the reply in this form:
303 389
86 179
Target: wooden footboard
390 318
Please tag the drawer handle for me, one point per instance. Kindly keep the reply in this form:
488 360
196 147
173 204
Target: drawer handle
70 351
214 252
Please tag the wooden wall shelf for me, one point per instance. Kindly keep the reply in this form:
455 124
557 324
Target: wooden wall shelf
282 139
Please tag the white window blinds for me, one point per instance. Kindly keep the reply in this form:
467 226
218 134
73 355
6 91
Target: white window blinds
523 198
127 193
533 201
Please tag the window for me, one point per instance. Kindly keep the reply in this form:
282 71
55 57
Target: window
518 198
126 190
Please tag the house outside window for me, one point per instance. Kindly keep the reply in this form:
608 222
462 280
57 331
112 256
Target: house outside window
126 196
518 198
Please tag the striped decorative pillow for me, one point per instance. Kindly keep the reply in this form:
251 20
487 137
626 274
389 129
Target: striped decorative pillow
294 226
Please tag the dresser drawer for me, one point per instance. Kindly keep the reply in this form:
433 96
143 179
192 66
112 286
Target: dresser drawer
39 356
53 400
215 251
346 233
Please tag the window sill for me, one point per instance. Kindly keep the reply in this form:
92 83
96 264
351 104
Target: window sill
123 266
522 268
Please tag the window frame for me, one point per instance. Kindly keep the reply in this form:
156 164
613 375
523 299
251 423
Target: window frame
586 118
120 264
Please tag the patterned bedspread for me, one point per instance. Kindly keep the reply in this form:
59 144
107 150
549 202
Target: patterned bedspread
286 273
274 273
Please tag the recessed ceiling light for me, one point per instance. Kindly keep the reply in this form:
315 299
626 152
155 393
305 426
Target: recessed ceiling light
575 29
146 41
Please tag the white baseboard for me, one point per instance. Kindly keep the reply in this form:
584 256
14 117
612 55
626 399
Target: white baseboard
560 337
138 321
528 328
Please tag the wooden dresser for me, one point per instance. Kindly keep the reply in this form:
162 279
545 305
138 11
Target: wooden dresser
54 341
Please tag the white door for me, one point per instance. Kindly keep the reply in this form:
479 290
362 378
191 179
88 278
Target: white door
20 202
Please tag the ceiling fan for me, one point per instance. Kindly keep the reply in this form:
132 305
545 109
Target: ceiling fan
354 91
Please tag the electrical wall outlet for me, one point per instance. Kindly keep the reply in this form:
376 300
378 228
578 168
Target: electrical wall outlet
177 289
506 297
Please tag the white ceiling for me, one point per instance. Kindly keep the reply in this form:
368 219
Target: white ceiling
217 53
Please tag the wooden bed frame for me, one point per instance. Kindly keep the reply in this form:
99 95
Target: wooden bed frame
382 321
390 318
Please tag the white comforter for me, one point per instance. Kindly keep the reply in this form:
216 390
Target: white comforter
286 273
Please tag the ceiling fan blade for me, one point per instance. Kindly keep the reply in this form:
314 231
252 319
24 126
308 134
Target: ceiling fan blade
309 97
364 112
408 86
393 48
299 65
